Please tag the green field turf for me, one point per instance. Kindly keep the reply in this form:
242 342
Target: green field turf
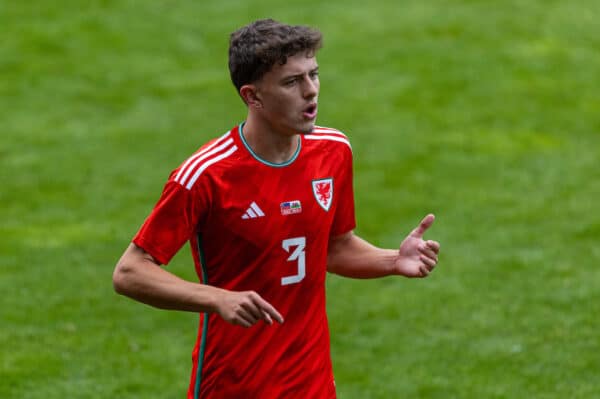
486 113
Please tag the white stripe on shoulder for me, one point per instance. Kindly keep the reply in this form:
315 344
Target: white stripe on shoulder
206 164
327 130
198 154
201 158
328 137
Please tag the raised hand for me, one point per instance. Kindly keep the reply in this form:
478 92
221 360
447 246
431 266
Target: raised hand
418 257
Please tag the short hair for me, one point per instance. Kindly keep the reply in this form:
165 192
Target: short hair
255 48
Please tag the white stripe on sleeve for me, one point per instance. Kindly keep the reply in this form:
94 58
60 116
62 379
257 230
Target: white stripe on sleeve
207 164
191 159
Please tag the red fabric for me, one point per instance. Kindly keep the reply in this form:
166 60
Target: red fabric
259 251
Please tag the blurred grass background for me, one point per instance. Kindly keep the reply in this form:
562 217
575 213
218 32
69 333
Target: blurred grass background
486 113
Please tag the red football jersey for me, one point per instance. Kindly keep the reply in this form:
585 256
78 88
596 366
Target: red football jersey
254 225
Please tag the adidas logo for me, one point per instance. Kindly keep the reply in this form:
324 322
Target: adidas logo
253 212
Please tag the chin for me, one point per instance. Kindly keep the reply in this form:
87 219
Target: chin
307 128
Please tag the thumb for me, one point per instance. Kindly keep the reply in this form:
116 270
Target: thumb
423 226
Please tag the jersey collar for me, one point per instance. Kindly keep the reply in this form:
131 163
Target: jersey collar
259 159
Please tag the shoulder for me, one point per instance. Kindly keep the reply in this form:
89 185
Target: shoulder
214 154
328 136
330 143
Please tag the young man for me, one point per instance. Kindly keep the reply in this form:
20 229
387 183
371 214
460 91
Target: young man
268 209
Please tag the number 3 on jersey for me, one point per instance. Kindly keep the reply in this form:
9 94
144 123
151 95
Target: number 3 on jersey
297 254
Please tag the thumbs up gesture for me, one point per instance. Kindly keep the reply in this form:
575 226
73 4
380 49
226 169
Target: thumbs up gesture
417 257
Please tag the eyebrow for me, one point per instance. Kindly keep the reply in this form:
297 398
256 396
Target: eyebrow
297 75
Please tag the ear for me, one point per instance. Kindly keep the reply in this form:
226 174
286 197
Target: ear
249 94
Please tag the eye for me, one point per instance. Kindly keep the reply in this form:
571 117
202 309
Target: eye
314 75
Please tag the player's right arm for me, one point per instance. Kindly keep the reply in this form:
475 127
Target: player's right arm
139 276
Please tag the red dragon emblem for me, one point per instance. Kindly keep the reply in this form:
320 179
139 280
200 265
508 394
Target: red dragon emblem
323 191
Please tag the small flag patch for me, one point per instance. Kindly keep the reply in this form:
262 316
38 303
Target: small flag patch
290 207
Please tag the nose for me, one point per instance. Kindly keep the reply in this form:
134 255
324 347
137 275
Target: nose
311 87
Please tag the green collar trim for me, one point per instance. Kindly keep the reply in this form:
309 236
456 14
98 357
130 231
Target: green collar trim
259 159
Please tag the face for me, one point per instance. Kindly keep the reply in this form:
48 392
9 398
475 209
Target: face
287 95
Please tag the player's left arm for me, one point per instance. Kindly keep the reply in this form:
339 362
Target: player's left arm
351 256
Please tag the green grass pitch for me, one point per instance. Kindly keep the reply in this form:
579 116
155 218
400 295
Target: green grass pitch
486 113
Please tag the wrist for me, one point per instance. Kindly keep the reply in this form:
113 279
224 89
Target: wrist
391 262
211 298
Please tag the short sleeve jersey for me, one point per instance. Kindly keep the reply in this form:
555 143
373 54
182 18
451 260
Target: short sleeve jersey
254 225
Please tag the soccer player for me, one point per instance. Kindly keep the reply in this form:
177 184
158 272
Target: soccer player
268 209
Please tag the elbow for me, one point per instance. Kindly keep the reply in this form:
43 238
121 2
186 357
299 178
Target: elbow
332 267
120 279
129 273
336 261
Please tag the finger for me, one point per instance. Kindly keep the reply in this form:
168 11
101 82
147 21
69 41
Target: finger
252 310
255 307
423 226
424 271
425 250
252 313
434 245
248 316
267 318
242 320
429 263
267 309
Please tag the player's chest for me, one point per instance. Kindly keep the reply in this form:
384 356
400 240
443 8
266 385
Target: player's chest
258 207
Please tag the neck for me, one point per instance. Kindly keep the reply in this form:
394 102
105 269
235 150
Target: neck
268 143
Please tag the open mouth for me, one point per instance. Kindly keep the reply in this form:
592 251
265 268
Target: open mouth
310 112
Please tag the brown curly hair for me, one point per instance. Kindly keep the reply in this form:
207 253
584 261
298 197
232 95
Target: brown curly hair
255 48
